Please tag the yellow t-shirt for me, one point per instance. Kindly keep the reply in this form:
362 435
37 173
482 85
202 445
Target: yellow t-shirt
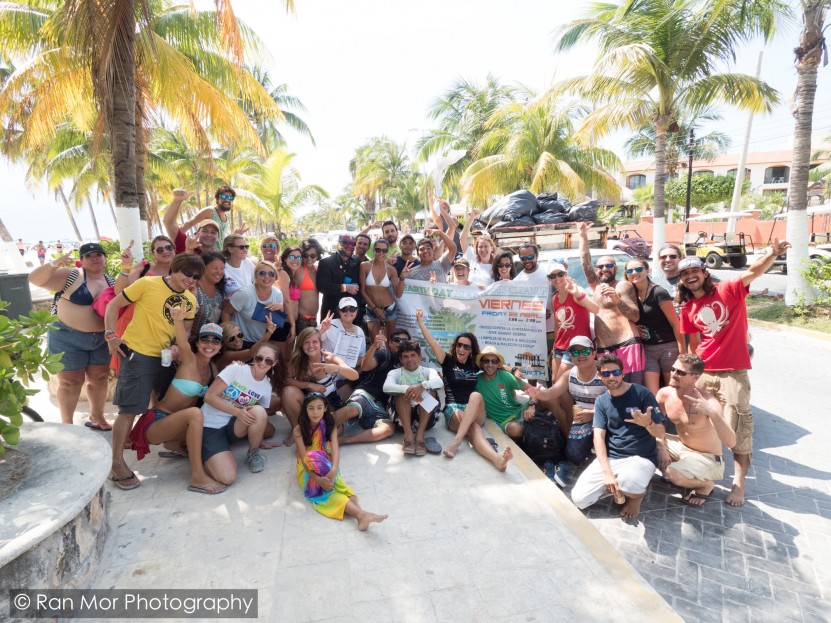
151 328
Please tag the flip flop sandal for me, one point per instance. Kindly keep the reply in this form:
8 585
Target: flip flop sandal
692 495
433 446
493 443
121 484
98 426
206 489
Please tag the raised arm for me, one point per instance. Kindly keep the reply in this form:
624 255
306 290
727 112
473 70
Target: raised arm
586 256
447 240
182 334
762 266
438 351
51 276
171 213
582 298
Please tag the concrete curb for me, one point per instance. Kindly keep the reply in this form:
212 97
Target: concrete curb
646 597
817 335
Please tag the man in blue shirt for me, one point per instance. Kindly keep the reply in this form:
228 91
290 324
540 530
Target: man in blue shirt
628 442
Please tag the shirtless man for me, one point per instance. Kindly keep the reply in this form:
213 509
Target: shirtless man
615 323
698 417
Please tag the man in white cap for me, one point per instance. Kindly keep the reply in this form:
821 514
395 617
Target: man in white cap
714 315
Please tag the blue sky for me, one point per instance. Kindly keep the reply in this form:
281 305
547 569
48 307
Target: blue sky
369 67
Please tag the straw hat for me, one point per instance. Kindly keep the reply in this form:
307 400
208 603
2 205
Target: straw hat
489 351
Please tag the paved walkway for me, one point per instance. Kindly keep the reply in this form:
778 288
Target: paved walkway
769 560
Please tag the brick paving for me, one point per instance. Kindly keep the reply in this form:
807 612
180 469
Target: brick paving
769 560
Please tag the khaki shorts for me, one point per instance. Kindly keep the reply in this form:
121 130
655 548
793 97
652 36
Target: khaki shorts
732 390
692 463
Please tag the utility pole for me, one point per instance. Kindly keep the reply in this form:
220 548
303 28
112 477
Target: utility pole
689 180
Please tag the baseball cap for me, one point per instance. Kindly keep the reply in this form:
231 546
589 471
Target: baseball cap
91 247
211 329
408 236
462 262
581 340
690 262
346 302
208 223
553 265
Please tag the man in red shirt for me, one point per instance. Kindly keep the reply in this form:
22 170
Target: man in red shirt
714 315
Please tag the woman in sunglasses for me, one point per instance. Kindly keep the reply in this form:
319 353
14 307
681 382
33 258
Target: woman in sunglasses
312 369
305 280
659 327
269 248
291 259
253 306
376 278
343 335
503 267
210 292
481 259
176 421
239 268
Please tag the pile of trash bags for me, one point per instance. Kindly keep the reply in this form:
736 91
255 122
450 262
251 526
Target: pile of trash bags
524 209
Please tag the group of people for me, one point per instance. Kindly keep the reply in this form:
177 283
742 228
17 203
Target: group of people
315 338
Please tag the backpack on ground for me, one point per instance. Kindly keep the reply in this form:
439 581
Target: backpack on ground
542 439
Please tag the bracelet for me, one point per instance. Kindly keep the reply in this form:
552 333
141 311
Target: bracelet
123 274
581 297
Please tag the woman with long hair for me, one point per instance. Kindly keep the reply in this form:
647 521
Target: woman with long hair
376 279
480 255
464 411
659 326
503 267
311 369
305 279
210 292
239 268
257 303
290 261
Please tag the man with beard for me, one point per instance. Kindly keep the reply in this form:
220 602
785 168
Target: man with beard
615 322
337 276
531 272
220 214
389 231
362 243
207 236
714 315
429 265
665 270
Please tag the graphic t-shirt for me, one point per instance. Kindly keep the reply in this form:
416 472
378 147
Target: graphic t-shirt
151 328
584 395
539 278
572 320
459 381
251 312
238 278
501 404
243 391
624 439
722 321
422 272
653 318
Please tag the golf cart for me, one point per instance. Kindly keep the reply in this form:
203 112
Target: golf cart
819 247
628 241
716 249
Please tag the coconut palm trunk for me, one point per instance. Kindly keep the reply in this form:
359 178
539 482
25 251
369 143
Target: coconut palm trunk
808 58
60 193
94 220
141 165
659 215
5 236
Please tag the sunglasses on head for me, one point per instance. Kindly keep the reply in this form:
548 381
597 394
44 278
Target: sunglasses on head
349 309
227 197
266 273
234 338
580 352
194 276
240 246
556 275
267 360
610 266
210 339
669 256
269 245
294 258
526 258
163 248
638 269
675 370
489 360
310 256
463 346
607 373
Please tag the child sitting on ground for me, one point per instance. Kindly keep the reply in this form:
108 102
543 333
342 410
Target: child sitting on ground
318 454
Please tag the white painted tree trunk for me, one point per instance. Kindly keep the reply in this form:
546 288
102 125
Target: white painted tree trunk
659 234
131 228
796 284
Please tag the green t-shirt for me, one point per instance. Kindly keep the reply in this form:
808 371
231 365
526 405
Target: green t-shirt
501 404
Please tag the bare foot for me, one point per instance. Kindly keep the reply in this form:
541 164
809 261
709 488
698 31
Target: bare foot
451 449
631 508
736 496
367 518
268 445
507 455
288 441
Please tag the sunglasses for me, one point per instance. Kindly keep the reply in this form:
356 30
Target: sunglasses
675 370
349 309
267 273
294 258
227 197
194 276
489 360
234 338
267 360
504 265
398 340
672 256
210 339
163 248
556 275
638 270
240 246
607 373
580 352
463 346
462 266
377 250
526 258
269 245
310 256
610 266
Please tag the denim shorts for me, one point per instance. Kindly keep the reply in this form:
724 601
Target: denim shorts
80 348
390 310
450 408
563 355
216 440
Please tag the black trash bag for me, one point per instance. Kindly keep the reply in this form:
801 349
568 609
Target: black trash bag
522 221
549 201
565 203
520 203
550 218
586 211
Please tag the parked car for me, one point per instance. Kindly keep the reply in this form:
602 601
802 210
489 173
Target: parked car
630 242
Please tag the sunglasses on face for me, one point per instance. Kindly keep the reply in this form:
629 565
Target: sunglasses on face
463 346
194 276
240 246
526 258
234 338
609 266
672 256
377 250
227 197
488 360
269 245
294 258
350 309
503 265
675 370
310 256
556 275
638 270
607 373
163 248
267 273
461 268
580 352
209 339
267 360
398 340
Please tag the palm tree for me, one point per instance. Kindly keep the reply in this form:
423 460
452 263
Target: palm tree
809 54
407 197
660 57
531 144
376 168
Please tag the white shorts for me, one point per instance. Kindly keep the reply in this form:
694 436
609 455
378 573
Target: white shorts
633 475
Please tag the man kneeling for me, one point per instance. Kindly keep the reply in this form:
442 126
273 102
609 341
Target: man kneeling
698 418
628 441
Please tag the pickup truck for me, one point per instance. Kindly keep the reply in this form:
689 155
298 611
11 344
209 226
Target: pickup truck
556 236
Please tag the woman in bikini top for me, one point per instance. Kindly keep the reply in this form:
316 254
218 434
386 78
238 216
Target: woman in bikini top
305 279
379 281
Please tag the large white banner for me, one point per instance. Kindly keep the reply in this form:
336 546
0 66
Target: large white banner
507 315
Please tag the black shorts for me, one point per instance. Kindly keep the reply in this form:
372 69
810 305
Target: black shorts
216 440
138 376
